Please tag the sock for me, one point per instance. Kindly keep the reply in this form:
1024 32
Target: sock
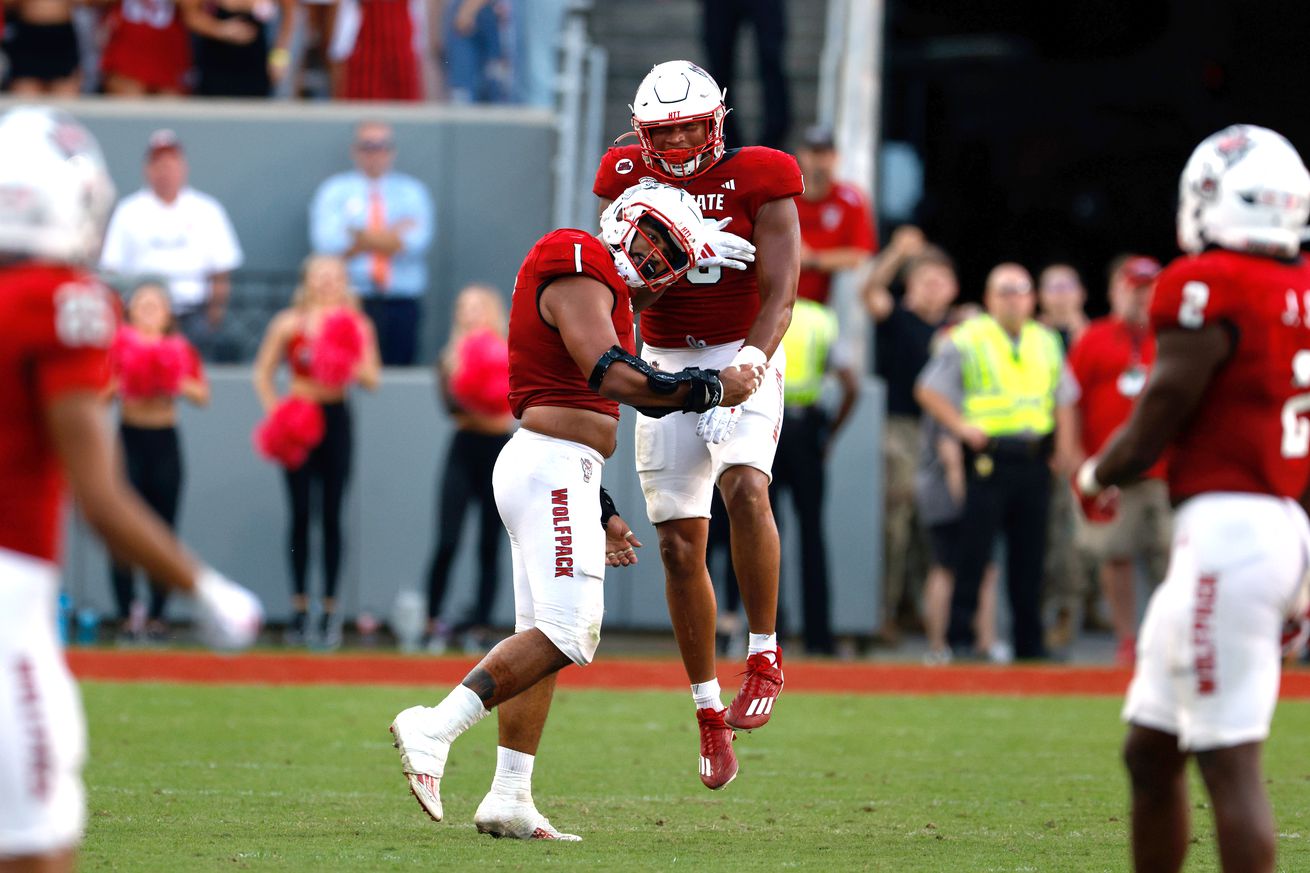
513 773
706 695
762 643
457 713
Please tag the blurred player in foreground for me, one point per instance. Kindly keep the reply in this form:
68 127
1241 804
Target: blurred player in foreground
1229 397
716 317
56 325
571 345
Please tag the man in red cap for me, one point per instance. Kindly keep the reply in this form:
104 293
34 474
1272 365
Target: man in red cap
1112 359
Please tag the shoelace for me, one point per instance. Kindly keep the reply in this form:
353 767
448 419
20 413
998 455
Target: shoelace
715 741
754 671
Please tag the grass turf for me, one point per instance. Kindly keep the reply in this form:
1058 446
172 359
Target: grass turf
197 778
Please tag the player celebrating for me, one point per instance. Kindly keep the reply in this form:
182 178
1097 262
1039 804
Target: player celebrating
711 318
1228 397
56 324
571 345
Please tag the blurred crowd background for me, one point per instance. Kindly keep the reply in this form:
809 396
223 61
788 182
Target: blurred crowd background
939 140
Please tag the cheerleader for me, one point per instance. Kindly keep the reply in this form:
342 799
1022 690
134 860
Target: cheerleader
327 344
153 365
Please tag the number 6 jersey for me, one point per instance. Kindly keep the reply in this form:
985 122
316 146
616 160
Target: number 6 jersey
1251 430
709 306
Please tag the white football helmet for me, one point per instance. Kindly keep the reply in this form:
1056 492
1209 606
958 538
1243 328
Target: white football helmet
1245 189
55 193
676 92
670 223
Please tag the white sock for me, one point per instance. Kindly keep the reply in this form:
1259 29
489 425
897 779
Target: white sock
762 643
513 773
461 709
706 695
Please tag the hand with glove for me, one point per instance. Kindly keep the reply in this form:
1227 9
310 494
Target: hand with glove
718 248
717 425
227 615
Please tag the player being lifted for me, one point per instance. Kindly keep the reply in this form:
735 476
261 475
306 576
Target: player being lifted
571 356
712 318
56 324
1229 399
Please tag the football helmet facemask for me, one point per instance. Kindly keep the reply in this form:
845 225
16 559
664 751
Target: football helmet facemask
663 222
679 92
1246 189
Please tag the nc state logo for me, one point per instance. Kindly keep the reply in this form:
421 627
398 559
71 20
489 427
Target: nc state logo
586 470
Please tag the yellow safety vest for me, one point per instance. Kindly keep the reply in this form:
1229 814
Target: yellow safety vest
1008 389
807 342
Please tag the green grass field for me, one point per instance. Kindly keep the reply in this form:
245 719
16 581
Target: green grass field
198 778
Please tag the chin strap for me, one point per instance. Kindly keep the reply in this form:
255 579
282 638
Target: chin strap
704 393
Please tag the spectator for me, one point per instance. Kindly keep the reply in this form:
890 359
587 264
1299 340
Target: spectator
904 334
381 222
1000 386
297 335
1112 360
537 25
232 55
42 47
172 230
721 22
473 375
477 64
1060 299
807 433
147 49
374 43
836 225
152 366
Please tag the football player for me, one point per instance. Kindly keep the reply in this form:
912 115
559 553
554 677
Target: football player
571 357
718 314
1229 398
56 324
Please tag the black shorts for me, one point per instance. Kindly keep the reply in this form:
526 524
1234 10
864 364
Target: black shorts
46 52
944 543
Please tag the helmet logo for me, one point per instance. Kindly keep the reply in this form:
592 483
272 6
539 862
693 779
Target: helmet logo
1234 147
623 167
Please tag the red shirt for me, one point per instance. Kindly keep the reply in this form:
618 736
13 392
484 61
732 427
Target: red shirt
709 306
840 220
56 325
541 370
1250 432
1111 360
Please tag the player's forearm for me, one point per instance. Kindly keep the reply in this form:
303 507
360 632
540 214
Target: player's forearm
770 325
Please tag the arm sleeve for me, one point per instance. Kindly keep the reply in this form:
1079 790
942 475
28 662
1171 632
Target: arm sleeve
225 250
859 225
573 254
777 175
418 237
943 373
1067 390
115 253
1191 293
76 333
608 183
327 220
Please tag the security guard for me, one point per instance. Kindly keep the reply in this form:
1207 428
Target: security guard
1001 386
807 431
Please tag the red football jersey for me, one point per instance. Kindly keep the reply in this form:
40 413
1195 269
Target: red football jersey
56 325
1111 360
1251 432
839 221
709 306
541 371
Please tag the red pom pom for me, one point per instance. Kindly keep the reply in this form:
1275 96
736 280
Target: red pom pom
338 349
290 432
480 382
134 360
172 360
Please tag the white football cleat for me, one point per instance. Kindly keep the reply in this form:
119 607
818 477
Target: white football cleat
422 758
516 818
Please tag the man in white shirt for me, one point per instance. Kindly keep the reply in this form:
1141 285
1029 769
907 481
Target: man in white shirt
172 231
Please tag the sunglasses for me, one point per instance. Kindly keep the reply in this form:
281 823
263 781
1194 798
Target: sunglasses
375 145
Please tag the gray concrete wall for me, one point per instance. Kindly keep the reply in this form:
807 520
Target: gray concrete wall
234 512
489 170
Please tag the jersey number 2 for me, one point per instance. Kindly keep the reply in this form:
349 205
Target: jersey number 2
1296 427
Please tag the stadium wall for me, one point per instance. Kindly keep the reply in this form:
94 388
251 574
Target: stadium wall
234 513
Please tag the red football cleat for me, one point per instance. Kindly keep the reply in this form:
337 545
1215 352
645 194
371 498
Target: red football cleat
718 763
753 704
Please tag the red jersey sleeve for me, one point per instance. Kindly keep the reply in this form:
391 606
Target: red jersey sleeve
76 327
1192 292
619 169
858 229
773 176
572 253
194 368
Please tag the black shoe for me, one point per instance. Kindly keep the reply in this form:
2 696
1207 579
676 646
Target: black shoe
297 630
